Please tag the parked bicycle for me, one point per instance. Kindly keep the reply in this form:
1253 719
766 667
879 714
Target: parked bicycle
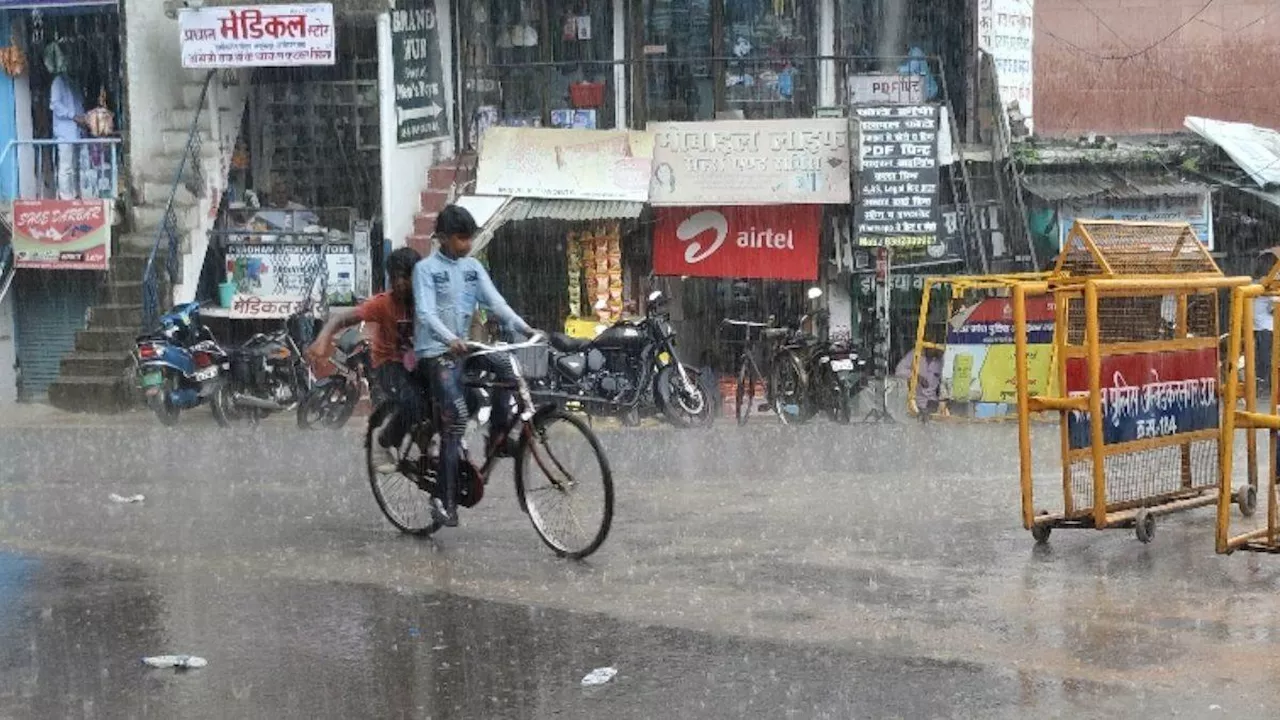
750 375
545 482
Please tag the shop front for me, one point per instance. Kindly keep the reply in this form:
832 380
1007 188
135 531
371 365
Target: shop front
58 175
570 248
739 209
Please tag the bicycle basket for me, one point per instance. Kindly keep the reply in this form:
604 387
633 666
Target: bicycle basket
535 362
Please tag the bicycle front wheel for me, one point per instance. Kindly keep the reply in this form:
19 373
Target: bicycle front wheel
564 484
398 491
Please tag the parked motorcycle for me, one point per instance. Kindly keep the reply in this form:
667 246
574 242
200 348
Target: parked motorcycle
812 374
333 399
178 363
267 374
629 370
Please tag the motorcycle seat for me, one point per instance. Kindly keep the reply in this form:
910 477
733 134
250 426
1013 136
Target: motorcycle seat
567 344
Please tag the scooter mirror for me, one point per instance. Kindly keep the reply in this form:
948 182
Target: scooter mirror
653 296
815 293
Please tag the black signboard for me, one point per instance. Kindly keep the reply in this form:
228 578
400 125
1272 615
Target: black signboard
897 202
420 100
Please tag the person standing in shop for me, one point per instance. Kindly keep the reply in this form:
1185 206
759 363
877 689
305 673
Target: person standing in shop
66 102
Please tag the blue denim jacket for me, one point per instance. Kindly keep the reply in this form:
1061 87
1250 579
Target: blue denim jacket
446 293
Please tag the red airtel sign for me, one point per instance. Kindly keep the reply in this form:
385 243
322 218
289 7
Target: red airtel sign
777 242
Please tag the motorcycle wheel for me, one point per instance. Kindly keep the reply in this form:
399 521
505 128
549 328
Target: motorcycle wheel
166 412
839 399
225 412
328 406
789 388
682 409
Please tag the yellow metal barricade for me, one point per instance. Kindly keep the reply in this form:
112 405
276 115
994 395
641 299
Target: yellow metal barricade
1262 534
971 377
1138 390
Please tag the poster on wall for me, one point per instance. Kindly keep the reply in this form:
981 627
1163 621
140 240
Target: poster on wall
62 234
1148 395
565 164
1007 31
415 45
1195 210
978 364
257 36
751 162
274 279
898 183
778 242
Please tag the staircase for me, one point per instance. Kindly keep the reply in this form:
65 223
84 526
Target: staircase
445 182
98 375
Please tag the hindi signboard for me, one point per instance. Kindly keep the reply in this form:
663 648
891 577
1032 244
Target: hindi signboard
1148 395
1006 29
978 363
415 45
565 164
886 89
751 162
274 279
62 234
898 183
257 36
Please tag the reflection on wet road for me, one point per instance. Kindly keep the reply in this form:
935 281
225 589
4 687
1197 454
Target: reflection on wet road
761 572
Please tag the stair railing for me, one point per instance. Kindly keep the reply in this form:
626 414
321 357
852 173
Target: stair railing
191 175
7 270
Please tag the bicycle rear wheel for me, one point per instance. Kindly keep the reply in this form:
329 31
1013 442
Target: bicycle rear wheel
746 392
564 484
399 494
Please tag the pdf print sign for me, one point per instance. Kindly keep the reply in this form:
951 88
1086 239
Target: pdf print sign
777 242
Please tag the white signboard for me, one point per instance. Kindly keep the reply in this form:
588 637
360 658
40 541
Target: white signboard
1005 29
751 162
886 89
273 279
257 36
565 164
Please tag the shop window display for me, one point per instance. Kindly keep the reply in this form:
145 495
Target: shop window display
538 63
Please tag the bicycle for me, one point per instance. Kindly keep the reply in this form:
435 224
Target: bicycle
418 457
749 374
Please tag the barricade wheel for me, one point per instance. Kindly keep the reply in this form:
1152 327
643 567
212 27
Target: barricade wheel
1144 526
1041 532
1247 500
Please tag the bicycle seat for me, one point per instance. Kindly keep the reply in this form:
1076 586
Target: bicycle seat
567 344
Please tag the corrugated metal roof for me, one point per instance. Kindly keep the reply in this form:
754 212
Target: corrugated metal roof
1255 149
1057 186
573 210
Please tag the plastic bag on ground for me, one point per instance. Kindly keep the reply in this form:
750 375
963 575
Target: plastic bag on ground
181 662
599 676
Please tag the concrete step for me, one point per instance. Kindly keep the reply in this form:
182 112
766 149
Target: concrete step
96 364
127 315
122 292
433 201
424 224
139 242
191 96
157 193
110 339
451 173
150 216
92 394
175 141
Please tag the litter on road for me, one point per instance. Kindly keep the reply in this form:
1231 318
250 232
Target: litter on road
181 662
123 499
599 676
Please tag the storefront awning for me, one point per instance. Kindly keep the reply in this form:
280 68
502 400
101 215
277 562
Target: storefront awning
573 210
1059 186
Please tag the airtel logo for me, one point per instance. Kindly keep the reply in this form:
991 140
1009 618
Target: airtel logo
695 225
751 239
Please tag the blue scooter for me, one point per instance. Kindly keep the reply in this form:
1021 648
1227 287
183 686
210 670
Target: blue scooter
179 363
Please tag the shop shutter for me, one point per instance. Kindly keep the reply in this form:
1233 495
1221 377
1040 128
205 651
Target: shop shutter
49 307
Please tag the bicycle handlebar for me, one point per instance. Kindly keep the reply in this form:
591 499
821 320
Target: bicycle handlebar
478 348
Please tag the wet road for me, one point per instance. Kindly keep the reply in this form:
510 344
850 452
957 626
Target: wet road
823 572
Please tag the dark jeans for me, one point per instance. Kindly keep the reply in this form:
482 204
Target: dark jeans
445 377
1262 354
395 382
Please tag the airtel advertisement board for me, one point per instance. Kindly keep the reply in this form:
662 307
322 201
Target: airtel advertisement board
775 242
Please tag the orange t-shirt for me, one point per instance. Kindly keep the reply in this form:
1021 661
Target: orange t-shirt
393 336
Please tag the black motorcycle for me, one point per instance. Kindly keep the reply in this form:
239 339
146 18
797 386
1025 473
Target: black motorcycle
629 370
333 399
811 374
267 374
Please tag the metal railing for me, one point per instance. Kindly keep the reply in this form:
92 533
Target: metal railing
191 175
7 269
97 168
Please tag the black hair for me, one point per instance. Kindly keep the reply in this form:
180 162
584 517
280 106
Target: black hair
400 263
455 220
